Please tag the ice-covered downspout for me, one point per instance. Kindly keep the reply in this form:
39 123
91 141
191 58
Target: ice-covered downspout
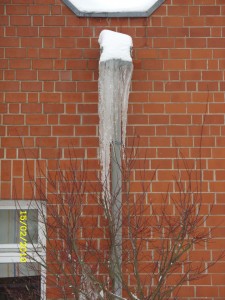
115 72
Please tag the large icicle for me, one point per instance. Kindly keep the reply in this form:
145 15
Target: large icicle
115 71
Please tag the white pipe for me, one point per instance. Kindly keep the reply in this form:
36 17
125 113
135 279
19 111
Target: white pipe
115 71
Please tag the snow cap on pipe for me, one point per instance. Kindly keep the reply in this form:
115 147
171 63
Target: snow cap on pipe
115 45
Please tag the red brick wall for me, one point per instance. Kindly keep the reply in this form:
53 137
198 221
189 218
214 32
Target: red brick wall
48 98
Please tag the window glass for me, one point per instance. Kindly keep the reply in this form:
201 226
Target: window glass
11 226
19 269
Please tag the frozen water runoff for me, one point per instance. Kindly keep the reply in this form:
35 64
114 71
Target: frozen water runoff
115 72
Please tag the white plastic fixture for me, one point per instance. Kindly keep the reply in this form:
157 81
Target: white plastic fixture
113 8
115 72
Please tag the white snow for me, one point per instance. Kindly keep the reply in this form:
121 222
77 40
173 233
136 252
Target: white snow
135 297
115 71
113 5
115 45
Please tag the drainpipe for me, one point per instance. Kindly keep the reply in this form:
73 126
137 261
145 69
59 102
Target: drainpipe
115 72
116 162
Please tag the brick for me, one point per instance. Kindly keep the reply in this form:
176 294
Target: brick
178 10
10 31
3 108
179 53
9 86
85 130
196 65
46 142
177 130
199 32
13 119
68 142
6 170
48 75
39 9
50 153
174 64
201 53
208 86
66 86
45 64
40 130
178 32
31 42
9 75
65 42
215 43
18 52
36 119
157 32
142 86
62 131
26 75
49 53
153 64
4 20
15 97
175 86
20 64
10 42
71 53
56 10
50 97
154 108
70 119
170 21
31 86
87 108
27 31
28 153
20 21
146 53
49 31
4 64
32 97
217 108
212 75
209 10
87 87
193 21
196 42
82 76
38 20
20 131
53 108
54 21
32 52
16 9
31 108
17 168
190 75
6 191
11 142
71 32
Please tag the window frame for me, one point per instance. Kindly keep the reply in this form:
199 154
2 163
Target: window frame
9 253
134 14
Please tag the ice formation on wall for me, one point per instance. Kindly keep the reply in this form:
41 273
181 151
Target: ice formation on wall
115 71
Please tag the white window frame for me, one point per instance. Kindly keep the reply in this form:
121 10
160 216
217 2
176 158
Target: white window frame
9 253
93 9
